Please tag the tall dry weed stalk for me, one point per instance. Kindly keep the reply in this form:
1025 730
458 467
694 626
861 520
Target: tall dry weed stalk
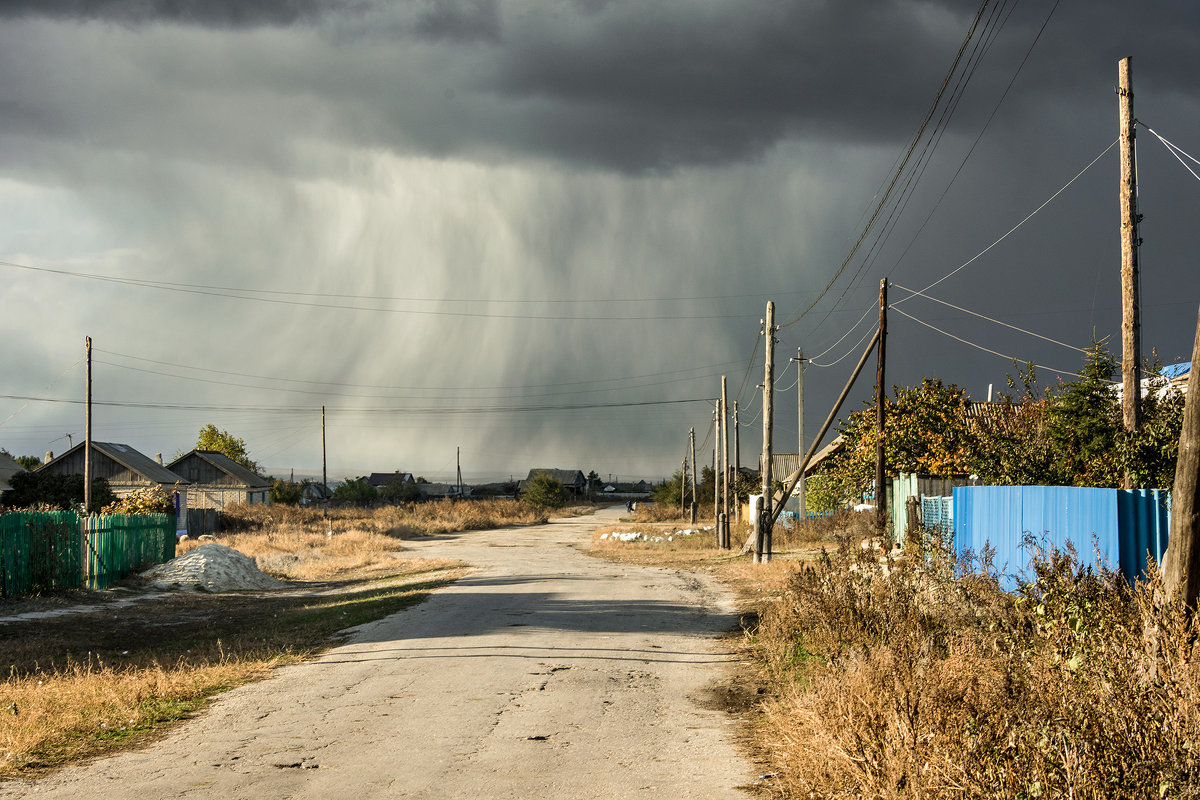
921 678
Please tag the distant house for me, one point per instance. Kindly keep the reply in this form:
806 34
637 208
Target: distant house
314 492
216 480
125 469
438 491
572 479
382 479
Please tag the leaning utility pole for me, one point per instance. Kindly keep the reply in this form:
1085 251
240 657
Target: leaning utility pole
1181 566
762 553
724 466
87 431
1131 333
692 447
458 464
880 391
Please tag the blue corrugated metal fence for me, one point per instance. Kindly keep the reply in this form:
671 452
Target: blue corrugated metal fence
1116 527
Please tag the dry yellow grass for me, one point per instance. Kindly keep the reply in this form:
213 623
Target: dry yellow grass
82 709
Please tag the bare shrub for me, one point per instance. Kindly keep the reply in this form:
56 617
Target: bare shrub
910 679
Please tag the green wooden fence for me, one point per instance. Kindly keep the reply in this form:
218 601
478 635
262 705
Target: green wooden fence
53 550
118 545
39 552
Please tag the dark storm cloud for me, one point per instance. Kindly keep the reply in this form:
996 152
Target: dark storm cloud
460 20
218 13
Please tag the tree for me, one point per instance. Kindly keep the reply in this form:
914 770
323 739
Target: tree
546 491
398 490
667 492
226 443
31 489
287 493
355 490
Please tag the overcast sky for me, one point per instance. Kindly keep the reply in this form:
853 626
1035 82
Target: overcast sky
456 223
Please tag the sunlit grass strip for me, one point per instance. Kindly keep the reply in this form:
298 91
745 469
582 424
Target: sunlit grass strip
51 716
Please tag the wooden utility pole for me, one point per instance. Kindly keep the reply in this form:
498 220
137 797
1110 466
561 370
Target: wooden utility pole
880 392
800 431
1131 326
724 466
87 431
737 460
682 487
458 464
1181 570
716 469
692 447
324 471
763 550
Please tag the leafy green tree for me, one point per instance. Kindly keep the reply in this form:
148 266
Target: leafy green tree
1151 453
287 493
545 491
356 491
211 438
667 492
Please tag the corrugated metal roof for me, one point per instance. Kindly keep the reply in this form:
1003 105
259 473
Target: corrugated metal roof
136 461
227 465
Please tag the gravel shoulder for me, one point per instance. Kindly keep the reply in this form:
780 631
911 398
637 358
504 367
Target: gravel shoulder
543 673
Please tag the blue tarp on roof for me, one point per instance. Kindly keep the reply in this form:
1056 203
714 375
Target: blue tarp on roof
1175 370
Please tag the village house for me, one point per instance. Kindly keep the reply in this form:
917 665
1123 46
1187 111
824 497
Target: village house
216 480
126 470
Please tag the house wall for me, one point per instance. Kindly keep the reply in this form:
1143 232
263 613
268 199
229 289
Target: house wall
219 497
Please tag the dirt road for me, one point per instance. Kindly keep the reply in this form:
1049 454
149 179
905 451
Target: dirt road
545 674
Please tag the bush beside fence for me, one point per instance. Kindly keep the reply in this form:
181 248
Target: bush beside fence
48 551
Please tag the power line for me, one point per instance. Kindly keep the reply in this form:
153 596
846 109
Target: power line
247 294
1175 150
406 411
447 389
899 170
915 293
970 151
979 346
1011 230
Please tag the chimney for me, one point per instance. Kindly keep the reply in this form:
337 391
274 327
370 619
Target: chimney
158 458
49 457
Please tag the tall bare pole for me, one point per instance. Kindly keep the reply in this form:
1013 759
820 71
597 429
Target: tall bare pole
763 551
737 458
717 468
324 471
87 431
692 447
800 426
1131 333
880 394
725 459
1181 567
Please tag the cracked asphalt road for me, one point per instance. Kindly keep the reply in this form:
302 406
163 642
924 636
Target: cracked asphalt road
546 673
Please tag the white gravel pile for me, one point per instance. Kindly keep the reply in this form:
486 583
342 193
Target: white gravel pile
211 568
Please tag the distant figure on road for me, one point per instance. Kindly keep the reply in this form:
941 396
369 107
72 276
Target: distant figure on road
629 505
